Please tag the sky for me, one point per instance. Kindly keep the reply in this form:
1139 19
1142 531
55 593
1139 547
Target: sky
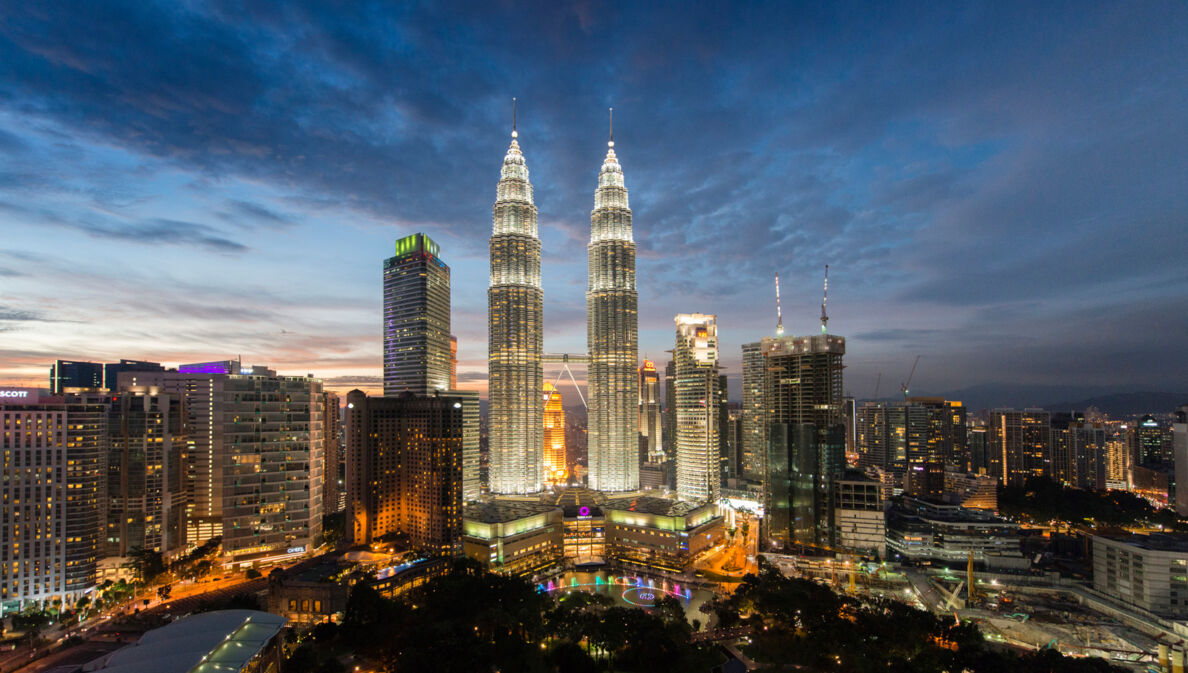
997 187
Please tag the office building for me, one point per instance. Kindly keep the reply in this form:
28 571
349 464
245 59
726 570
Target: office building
71 374
515 335
1078 451
668 436
146 476
754 420
802 405
698 472
416 318
1150 442
404 470
651 425
332 454
471 443
554 435
1147 571
659 534
612 325
514 537
1180 458
112 371
254 463
1019 445
51 509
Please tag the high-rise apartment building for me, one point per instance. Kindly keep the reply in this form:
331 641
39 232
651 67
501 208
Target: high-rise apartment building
1019 445
802 406
1150 441
404 470
1180 457
651 425
146 476
51 509
331 453
698 471
612 325
416 318
754 425
255 464
921 430
72 374
554 435
515 325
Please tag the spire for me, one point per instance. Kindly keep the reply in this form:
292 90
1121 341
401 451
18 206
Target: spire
611 140
514 133
825 298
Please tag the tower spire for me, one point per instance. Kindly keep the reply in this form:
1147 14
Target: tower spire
779 313
514 133
611 140
825 298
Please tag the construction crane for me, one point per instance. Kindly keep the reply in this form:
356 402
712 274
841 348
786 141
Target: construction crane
905 386
878 382
825 298
779 313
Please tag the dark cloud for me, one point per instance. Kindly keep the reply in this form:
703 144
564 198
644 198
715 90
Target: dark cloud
257 214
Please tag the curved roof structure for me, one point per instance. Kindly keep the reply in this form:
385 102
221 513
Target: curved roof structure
209 642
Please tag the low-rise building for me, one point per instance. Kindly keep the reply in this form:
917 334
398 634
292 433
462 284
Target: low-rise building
920 530
658 533
1148 571
514 537
231 641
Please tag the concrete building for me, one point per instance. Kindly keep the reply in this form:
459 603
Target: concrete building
515 335
698 470
858 515
416 318
612 326
1147 571
802 406
754 425
919 530
254 460
974 491
112 371
404 470
53 490
660 534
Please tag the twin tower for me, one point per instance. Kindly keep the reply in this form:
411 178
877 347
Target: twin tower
516 327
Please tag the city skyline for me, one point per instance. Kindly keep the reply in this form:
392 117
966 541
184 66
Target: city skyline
133 231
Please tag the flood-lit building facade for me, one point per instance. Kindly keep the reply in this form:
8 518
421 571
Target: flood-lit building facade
417 355
554 434
515 322
612 324
698 463
651 433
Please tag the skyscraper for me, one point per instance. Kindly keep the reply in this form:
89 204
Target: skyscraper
112 371
650 423
1019 445
554 434
331 453
754 418
698 471
404 470
71 374
416 318
612 325
515 325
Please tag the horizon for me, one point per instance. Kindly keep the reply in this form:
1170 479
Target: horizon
1000 194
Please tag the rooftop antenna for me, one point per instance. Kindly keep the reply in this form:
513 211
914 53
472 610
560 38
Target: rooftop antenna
825 298
611 141
514 133
779 312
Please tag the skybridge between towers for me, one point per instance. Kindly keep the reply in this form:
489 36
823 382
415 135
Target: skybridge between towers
564 359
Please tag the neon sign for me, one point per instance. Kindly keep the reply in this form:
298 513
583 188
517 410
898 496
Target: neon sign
583 511
14 393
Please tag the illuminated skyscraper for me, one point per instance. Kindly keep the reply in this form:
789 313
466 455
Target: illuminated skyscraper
554 434
698 471
612 326
650 423
515 328
416 318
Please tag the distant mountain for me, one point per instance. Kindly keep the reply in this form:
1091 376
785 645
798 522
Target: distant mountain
1125 405
1117 401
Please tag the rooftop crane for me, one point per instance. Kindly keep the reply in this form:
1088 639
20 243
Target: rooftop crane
904 386
878 382
825 298
779 313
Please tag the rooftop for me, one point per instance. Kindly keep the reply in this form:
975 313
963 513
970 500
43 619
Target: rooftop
648 504
502 511
225 640
1153 542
